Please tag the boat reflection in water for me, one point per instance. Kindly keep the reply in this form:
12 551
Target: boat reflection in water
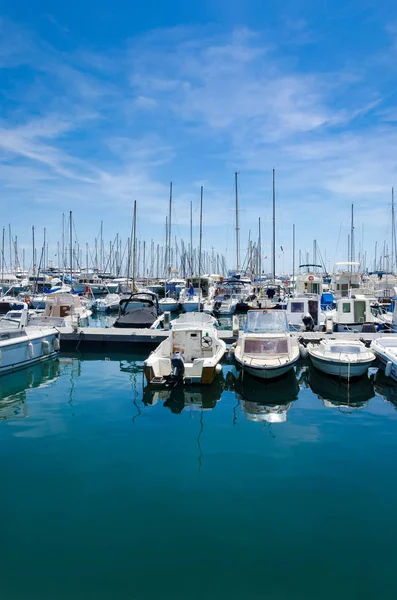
14 387
339 393
386 387
267 401
180 397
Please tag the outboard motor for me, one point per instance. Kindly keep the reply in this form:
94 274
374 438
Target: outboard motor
308 322
178 368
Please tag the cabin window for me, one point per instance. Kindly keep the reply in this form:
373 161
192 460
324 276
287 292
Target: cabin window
297 307
346 307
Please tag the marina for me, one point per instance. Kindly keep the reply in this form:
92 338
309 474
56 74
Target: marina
198 300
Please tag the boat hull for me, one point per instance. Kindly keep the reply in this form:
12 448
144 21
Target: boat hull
267 372
207 376
338 369
27 351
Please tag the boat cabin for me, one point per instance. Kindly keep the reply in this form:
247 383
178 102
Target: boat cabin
354 310
299 306
308 283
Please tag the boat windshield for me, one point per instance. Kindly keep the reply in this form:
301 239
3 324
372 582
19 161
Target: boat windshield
346 349
6 323
270 346
266 321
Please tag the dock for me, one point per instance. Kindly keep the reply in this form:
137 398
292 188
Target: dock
113 338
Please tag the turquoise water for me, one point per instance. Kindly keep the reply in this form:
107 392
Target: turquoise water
241 490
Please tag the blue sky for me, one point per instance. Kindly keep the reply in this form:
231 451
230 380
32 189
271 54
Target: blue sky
105 102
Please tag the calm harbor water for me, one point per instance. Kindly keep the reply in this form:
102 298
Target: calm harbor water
241 490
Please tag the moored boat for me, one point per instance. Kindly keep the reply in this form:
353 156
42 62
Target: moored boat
190 354
341 358
266 349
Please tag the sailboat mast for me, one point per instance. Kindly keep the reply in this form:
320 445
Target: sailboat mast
169 266
393 232
260 250
2 258
274 227
33 250
134 250
352 238
200 245
237 225
191 238
71 245
293 256
101 249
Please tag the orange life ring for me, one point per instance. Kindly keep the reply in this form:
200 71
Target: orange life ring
311 278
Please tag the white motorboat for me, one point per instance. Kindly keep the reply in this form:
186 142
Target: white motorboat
21 345
266 349
62 310
109 303
342 358
191 353
226 304
385 348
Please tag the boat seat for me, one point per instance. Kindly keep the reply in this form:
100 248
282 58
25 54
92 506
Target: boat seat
195 368
162 367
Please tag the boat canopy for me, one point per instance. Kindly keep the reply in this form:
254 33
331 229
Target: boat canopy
266 321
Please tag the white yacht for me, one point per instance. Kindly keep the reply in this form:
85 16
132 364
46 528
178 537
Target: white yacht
342 358
266 349
191 353
109 303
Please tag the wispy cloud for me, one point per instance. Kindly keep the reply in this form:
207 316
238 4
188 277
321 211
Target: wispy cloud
92 131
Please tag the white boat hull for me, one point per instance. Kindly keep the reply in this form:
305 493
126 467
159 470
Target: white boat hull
341 369
18 353
267 372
